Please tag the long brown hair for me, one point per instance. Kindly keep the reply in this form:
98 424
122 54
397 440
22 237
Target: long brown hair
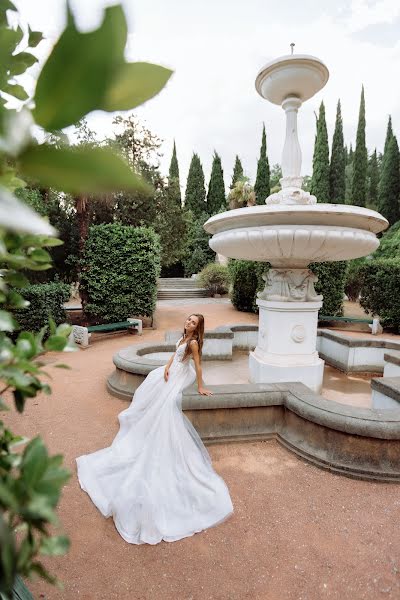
198 335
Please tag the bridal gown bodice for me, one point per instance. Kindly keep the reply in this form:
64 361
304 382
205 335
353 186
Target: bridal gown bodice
156 479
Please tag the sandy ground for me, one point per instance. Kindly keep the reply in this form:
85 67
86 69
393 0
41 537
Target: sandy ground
297 533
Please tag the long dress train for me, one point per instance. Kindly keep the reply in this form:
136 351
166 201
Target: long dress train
156 479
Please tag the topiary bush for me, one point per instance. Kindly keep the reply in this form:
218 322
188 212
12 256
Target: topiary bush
46 300
215 278
120 271
246 278
380 281
352 286
331 283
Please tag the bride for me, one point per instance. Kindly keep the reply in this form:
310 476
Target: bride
156 479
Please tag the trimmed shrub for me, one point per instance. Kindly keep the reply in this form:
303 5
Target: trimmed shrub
380 280
352 286
197 253
121 265
389 243
331 282
215 278
246 278
46 300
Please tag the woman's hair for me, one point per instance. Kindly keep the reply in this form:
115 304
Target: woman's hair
198 335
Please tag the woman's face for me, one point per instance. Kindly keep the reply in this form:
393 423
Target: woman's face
191 323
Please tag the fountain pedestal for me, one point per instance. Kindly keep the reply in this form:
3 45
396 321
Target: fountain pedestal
286 348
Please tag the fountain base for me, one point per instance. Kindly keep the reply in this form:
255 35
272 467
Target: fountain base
286 347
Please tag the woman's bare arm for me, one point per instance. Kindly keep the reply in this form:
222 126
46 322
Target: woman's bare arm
197 363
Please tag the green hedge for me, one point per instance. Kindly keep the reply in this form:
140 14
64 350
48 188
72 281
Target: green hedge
215 278
331 282
389 246
352 286
246 278
380 280
120 271
46 300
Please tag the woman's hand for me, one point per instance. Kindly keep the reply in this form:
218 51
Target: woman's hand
166 373
204 392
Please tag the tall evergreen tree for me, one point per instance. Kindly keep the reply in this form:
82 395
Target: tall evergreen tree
262 185
216 190
174 188
337 175
237 172
346 154
350 155
373 179
389 188
320 178
195 194
389 134
360 161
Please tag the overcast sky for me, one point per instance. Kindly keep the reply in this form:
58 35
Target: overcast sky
217 47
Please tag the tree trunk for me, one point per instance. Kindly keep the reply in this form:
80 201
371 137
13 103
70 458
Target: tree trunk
82 212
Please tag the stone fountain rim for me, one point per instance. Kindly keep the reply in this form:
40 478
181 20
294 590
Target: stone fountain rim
355 217
288 60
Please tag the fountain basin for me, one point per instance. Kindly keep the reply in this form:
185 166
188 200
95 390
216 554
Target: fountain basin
297 75
296 235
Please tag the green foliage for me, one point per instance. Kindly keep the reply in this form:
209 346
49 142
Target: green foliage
373 180
337 177
197 252
331 282
195 194
380 290
216 190
171 225
276 176
360 161
389 135
242 194
389 246
174 188
353 282
237 172
389 187
262 184
119 277
215 278
320 186
247 281
46 301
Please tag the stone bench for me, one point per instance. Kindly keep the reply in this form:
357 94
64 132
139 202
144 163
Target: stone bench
81 335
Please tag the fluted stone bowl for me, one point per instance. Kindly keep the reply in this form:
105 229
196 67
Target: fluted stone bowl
296 235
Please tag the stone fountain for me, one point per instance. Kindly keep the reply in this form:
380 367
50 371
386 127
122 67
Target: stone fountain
290 232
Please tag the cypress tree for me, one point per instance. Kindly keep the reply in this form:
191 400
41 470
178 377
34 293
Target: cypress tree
389 188
350 155
389 134
337 175
360 161
262 185
216 189
320 178
346 154
237 172
174 188
195 194
373 178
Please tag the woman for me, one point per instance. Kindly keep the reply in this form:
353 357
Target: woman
156 478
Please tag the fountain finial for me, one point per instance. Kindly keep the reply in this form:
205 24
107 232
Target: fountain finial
292 45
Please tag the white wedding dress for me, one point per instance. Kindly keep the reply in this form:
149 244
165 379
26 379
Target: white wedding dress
156 479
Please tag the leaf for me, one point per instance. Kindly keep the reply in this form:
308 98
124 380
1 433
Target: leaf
133 84
39 255
15 215
54 546
16 300
7 498
21 62
62 366
64 329
52 326
16 90
19 400
38 568
74 80
16 279
8 555
34 462
35 37
7 322
55 343
80 170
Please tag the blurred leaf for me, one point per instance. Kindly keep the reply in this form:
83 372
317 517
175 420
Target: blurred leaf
55 343
74 80
34 462
16 300
19 400
39 255
79 170
7 498
54 546
16 216
8 555
64 329
133 84
41 571
21 62
7 323
10 181
16 279
62 366
52 326
16 90
35 37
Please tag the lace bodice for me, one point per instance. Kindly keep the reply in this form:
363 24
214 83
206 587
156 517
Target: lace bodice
180 351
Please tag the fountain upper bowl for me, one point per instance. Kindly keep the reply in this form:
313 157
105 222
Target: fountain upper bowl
296 235
297 75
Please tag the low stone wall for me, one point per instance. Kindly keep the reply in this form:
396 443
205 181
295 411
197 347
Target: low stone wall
362 443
